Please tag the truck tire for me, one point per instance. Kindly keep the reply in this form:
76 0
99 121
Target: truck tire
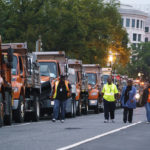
71 113
74 108
86 110
8 107
79 112
1 111
36 112
97 110
19 114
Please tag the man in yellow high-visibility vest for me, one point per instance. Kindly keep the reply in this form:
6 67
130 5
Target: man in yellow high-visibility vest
61 92
109 93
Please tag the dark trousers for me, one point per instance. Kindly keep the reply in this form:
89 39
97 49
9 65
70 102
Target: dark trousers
109 107
59 106
127 114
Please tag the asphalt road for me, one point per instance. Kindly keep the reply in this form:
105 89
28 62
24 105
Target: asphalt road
46 135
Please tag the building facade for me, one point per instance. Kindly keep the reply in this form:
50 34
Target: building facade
147 30
134 21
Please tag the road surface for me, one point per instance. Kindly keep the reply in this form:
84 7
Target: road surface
80 133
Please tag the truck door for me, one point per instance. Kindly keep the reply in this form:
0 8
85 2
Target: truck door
21 69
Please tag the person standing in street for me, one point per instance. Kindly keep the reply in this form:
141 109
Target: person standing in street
109 93
128 101
61 93
146 101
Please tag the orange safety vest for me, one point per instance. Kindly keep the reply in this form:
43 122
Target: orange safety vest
56 85
148 100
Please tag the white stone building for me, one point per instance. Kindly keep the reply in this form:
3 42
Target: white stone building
134 22
147 30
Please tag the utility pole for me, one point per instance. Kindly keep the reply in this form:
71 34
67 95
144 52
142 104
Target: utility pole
39 44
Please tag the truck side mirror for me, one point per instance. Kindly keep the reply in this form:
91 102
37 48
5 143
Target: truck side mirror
10 57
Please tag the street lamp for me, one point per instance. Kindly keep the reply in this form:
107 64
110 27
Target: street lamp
110 59
139 74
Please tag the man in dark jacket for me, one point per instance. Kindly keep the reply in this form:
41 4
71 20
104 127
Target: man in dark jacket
146 101
61 92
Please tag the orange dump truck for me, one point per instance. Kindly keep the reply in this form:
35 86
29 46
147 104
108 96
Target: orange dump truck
29 90
81 86
94 86
52 64
6 92
58 64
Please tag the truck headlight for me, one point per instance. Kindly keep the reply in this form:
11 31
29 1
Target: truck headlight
15 89
137 96
94 94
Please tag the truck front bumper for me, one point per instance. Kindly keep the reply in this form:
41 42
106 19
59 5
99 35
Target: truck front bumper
46 104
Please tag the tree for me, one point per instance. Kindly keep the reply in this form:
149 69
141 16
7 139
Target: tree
84 29
140 61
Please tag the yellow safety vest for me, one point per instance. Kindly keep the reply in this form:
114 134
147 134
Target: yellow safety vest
56 85
109 92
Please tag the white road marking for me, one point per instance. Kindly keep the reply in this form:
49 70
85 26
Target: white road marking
98 136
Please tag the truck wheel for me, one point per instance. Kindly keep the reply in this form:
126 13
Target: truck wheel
86 110
1 111
97 109
36 106
8 108
74 108
71 113
79 112
20 112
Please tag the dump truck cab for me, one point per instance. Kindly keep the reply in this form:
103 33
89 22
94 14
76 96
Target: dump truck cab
81 86
29 90
52 64
94 86
105 73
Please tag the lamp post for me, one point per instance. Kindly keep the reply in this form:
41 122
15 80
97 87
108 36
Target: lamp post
110 59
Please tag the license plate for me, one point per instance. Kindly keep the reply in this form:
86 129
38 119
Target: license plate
52 102
93 102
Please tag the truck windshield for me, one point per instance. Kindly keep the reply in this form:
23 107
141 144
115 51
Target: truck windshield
48 69
72 78
14 67
91 78
104 78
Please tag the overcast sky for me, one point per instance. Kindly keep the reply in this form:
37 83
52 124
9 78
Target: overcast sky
135 1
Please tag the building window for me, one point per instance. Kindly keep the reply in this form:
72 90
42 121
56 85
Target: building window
127 22
134 36
146 39
141 24
139 37
133 23
122 22
146 29
137 24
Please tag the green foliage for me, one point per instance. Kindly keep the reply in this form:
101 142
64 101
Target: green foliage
84 29
140 61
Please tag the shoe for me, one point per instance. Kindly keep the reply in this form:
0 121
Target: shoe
112 120
125 121
62 121
148 122
130 121
106 121
54 120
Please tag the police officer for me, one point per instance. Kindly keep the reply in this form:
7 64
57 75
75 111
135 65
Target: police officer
61 92
109 92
